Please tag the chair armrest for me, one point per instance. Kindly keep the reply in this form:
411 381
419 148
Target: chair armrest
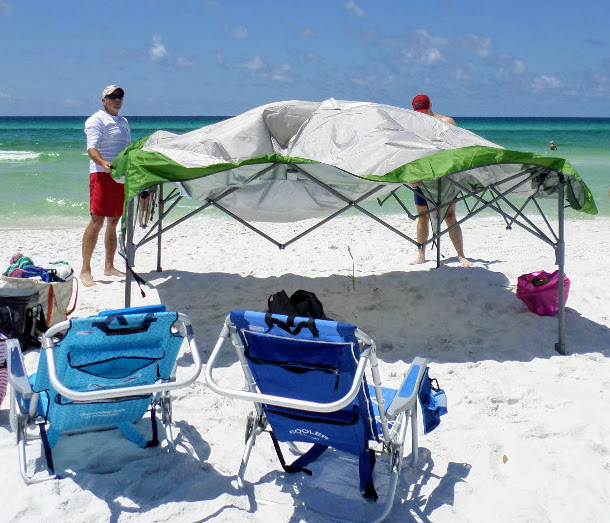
280 401
17 375
407 393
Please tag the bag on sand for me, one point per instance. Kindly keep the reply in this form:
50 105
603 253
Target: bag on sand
540 291
54 297
21 315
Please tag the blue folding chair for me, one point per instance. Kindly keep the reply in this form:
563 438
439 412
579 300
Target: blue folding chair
107 370
307 380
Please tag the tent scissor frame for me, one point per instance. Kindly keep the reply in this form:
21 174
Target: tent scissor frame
488 197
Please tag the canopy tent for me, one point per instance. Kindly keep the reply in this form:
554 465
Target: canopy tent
295 160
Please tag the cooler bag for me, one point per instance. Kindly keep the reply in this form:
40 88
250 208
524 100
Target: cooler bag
21 315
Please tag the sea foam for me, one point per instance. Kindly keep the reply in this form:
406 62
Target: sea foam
18 156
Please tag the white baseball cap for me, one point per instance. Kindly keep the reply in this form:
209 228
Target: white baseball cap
111 89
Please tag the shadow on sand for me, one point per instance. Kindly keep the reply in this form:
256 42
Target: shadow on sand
447 315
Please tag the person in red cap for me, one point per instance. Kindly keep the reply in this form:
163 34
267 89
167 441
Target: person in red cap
422 104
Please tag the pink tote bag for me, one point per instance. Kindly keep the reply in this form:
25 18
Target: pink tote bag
540 291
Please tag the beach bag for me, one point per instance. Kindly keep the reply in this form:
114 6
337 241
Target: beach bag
54 297
540 291
3 367
302 303
21 315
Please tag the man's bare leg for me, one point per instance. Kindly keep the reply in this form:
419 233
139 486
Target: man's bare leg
89 241
423 230
456 237
110 242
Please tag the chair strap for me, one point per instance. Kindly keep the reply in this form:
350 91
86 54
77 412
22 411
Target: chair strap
367 464
289 325
299 464
153 420
48 453
135 436
105 327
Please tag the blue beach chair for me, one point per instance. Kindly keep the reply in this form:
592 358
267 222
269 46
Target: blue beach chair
307 380
107 370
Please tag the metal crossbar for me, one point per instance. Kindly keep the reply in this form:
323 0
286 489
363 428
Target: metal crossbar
489 197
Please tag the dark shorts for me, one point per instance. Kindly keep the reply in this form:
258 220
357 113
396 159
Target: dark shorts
106 195
418 196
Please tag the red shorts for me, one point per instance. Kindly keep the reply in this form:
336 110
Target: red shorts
106 195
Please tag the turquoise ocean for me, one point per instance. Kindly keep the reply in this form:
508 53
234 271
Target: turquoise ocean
44 165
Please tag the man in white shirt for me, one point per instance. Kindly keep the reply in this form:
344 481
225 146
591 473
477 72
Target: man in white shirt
107 135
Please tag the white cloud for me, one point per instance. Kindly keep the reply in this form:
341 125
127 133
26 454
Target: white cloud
353 8
423 56
518 66
282 73
5 7
423 37
72 103
280 77
460 75
306 32
254 64
365 80
5 96
239 31
158 52
184 62
422 48
543 82
481 45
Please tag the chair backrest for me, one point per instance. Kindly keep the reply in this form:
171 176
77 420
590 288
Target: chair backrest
311 360
3 367
106 352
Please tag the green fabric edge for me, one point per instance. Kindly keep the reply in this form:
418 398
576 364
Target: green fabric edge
457 160
143 169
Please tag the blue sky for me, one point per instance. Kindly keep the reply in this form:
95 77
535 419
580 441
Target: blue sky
214 57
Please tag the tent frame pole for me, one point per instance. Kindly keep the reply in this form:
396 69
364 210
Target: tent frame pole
130 250
160 225
560 260
438 223
557 240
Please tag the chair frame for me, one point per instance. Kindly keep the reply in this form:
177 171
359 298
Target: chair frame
24 420
393 418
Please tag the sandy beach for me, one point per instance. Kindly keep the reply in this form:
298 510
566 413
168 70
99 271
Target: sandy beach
526 436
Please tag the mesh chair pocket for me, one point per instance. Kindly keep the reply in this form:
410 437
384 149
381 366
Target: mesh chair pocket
116 368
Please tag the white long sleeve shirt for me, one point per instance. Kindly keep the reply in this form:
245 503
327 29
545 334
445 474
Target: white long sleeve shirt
108 134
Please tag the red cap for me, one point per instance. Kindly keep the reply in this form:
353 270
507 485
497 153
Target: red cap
421 103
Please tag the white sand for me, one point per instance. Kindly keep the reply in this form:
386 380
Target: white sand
526 436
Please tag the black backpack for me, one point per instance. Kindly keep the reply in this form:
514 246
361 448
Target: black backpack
302 303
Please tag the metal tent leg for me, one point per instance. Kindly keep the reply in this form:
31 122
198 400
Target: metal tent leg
160 205
129 252
560 261
439 223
